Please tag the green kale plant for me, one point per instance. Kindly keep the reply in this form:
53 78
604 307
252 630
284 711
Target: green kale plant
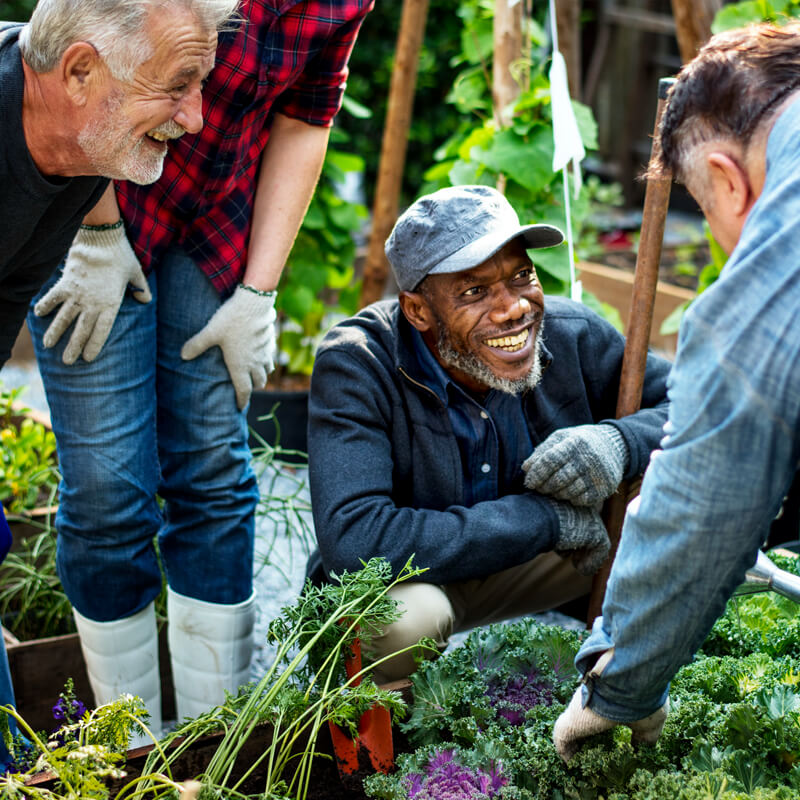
762 623
733 731
495 679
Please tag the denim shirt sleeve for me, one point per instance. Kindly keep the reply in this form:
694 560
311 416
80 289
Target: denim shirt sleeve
729 455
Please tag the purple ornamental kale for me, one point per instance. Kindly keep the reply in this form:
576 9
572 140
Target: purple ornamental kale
513 697
446 779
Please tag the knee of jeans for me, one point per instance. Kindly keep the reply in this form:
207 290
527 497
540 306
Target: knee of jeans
106 500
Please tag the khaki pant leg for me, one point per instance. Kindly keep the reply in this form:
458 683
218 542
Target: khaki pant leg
543 583
426 611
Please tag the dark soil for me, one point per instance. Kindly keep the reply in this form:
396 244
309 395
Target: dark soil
327 784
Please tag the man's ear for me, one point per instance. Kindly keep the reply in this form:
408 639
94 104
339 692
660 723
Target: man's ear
416 309
730 183
80 66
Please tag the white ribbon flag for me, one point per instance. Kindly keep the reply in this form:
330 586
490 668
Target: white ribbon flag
567 141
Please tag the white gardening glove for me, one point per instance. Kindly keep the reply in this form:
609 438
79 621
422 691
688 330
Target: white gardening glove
99 266
243 327
582 536
579 722
583 464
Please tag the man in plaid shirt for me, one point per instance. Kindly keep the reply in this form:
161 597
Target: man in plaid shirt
149 394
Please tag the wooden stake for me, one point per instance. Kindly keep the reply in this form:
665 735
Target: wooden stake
693 20
634 360
507 49
394 145
568 15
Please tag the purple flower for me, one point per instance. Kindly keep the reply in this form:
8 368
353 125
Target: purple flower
447 779
68 710
513 697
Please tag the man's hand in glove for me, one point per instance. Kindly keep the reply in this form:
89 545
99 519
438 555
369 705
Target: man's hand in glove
583 465
99 266
582 536
244 329
578 722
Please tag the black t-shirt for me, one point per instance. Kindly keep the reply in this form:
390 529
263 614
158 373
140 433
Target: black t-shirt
39 214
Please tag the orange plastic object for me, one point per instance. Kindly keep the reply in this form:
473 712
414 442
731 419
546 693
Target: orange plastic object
372 749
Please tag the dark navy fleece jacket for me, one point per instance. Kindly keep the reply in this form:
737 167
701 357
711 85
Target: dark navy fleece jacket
385 469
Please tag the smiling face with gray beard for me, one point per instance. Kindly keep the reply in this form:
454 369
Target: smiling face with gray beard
116 151
469 363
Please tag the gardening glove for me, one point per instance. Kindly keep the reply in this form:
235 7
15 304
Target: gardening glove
578 721
244 329
99 266
583 464
582 536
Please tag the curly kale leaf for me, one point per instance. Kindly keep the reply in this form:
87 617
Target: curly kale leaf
496 677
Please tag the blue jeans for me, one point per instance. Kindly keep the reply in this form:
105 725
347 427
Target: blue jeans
138 422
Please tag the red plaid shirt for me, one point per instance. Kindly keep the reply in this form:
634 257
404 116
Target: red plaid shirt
286 56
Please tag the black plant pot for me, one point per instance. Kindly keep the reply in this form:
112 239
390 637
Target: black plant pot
280 418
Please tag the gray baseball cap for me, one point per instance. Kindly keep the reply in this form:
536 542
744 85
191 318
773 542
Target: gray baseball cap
456 229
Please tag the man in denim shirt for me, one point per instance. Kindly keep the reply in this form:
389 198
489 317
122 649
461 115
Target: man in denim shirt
469 424
729 133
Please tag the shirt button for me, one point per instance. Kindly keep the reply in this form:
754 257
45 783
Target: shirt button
486 468
484 415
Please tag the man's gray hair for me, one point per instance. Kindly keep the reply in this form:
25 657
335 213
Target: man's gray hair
116 28
732 86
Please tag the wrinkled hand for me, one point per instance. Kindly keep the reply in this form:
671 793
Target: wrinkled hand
583 464
99 266
578 723
243 327
582 536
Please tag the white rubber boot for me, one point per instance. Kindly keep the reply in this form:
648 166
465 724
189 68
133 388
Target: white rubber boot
210 647
122 657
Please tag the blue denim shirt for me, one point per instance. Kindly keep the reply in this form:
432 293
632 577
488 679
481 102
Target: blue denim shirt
492 435
731 449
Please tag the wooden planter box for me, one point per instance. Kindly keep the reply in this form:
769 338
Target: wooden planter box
40 668
325 782
613 286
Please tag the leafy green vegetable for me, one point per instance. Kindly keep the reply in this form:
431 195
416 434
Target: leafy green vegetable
733 732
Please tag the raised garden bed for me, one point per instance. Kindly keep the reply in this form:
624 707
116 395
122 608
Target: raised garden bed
481 722
613 285
41 667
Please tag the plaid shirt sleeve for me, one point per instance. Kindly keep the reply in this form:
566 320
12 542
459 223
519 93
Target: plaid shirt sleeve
288 56
316 96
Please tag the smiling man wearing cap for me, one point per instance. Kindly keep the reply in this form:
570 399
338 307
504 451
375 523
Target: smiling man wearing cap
471 427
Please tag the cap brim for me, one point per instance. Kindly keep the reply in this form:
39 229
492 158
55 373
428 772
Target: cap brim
534 237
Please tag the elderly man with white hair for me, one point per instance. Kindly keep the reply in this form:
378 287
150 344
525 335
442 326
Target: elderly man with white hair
89 90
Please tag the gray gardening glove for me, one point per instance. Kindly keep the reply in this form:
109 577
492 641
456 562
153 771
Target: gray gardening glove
578 722
582 536
243 327
583 464
99 266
